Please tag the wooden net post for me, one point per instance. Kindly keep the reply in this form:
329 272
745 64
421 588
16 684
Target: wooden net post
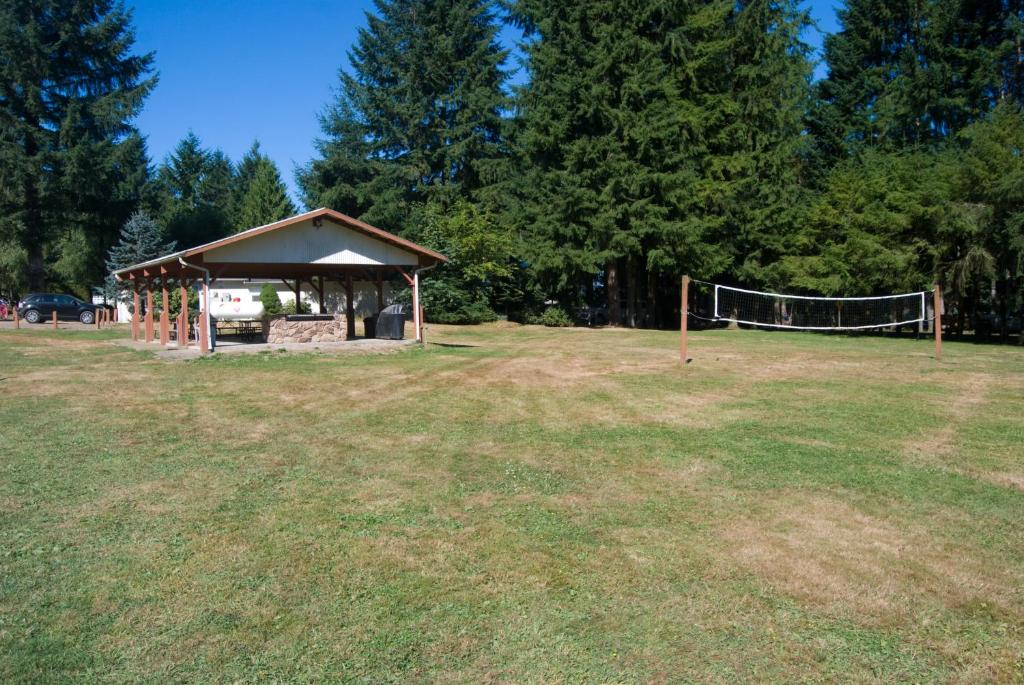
937 323
96 318
54 319
17 321
683 315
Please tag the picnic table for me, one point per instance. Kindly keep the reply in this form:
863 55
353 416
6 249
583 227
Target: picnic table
248 331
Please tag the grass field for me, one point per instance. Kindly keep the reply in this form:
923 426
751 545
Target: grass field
513 504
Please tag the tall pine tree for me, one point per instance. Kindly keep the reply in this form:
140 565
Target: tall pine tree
193 189
991 176
259 196
919 114
244 172
69 157
418 117
266 199
754 169
659 138
916 72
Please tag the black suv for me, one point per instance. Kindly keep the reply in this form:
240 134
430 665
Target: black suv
38 307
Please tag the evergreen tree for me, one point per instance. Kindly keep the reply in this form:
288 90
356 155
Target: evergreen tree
919 113
659 138
78 256
990 185
141 239
270 300
244 173
873 227
601 117
217 182
259 196
755 167
915 72
180 176
69 156
193 189
266 200
418 118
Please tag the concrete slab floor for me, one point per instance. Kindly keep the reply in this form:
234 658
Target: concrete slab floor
360 345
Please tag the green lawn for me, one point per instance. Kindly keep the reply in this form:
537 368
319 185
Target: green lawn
513 504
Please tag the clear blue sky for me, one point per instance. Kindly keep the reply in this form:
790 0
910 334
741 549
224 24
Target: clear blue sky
237 70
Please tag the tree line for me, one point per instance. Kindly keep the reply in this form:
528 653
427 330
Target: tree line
649 139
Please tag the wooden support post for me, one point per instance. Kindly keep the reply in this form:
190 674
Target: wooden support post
54 319
380 291
937 323
136 306
149 311
350 309
165 313
17 321
298 295
320 292
97 316
204 313
183 330
684 311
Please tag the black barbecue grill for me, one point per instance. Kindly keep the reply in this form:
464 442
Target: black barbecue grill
391 322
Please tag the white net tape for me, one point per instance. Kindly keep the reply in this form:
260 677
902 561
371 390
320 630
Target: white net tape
804 312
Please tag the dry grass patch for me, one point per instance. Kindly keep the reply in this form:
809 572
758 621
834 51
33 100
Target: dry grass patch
968 402
1011 480
879 572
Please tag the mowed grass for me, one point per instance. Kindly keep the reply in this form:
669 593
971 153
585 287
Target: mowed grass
513 504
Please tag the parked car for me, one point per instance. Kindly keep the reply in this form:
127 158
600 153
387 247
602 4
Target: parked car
38 307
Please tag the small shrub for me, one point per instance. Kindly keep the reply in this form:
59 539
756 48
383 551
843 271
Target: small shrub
271 301
472 313
174 302
555 317
289 308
